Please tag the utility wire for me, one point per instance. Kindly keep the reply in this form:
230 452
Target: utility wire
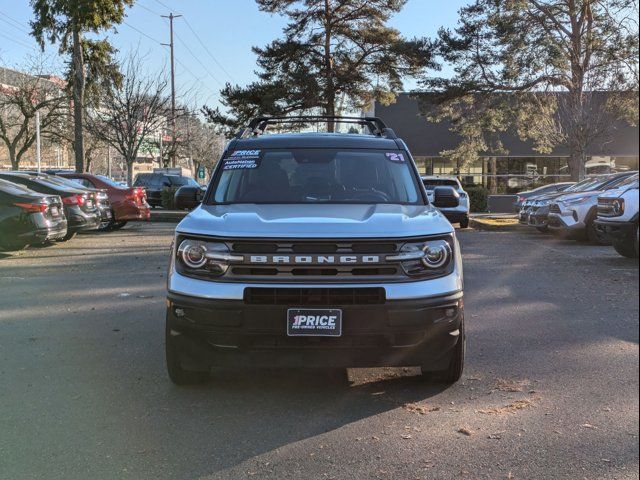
197 59
206 49
17 25
17 42
142 33
204 46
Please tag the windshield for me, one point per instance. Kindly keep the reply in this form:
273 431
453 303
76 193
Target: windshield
181 181
432 183
109 181
625 182
316 176
588 184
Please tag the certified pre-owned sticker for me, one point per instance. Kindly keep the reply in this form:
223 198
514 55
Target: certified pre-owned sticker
242 159
395 156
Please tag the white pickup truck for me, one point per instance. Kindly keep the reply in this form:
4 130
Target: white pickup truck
618 217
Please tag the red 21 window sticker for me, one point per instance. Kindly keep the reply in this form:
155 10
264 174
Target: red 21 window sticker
395 156
242 159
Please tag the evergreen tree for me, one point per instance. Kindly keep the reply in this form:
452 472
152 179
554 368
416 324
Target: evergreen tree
334 53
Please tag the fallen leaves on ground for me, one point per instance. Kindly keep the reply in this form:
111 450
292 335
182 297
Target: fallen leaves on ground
512 407
465 431
507 385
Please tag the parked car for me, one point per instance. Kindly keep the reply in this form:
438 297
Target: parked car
535 210
155 183
456 213
99 196
618 217
29 218
127 203
315 250
543 190
573 215
79 207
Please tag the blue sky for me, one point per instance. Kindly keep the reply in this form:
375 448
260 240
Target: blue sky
227 28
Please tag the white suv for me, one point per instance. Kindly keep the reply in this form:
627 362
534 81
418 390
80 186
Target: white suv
618 217
573 215
458 214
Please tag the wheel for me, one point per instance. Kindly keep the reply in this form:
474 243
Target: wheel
118 225
464 223
13 248
544 229
67 237
627 247
106 226
177 374
594 235
456 366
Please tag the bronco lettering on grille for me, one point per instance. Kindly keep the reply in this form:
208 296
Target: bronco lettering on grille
312 259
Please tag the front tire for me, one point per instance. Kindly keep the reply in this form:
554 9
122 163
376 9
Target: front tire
118 225
464 223
594 235
67 237
177 374
453 373
627 247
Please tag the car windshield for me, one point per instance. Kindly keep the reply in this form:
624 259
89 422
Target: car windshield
316 176
588 184
432 183
109 181
182 181
625 182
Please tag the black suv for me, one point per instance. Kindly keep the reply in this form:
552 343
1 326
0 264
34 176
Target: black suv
155 183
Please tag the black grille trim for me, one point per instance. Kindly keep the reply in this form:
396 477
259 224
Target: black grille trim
316 297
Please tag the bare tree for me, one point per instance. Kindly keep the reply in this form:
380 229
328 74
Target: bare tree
131 113
27 94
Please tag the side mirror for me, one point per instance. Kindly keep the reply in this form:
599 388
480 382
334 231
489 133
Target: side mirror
187 197
445 197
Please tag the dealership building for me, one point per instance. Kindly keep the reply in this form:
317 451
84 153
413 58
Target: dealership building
522 167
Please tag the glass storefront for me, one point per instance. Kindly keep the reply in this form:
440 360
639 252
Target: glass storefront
514 174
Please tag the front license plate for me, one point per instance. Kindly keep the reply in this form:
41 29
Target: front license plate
311 322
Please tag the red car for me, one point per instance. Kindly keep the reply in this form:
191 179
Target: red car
126 203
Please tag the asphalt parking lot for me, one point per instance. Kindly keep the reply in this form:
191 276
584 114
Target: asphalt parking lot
550 389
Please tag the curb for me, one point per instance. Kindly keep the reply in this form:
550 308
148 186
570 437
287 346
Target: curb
480 225
170 216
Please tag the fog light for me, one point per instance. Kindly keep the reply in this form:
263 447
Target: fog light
450 312
179 312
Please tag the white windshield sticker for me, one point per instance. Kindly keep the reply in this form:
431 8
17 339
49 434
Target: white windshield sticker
242 159
395 156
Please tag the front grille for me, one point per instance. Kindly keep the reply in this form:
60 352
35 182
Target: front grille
316 297
378 271
554 208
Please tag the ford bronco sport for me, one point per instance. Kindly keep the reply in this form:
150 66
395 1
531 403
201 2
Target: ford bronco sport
315 250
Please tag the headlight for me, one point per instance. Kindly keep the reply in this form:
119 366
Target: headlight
431 258
202 258
617 207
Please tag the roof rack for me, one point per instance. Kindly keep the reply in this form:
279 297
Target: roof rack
259 125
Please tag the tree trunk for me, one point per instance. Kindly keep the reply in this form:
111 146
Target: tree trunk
15 161
492 180
330 91
78 100
576 164
129 171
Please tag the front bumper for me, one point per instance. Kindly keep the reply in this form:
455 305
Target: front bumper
617 229
539 217
418 332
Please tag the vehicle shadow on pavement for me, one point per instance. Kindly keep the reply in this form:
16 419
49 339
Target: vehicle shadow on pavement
266 409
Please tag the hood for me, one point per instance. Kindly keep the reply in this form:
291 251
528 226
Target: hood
574 195
547 196
616 192
315 221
